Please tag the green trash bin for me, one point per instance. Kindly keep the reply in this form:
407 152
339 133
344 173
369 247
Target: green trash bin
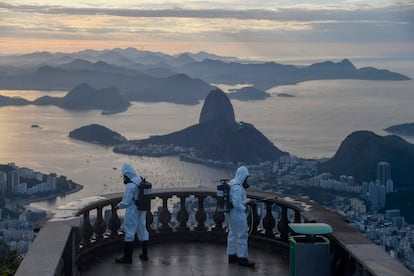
309 251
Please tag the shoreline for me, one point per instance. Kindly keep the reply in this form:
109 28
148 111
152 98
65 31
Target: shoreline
24 203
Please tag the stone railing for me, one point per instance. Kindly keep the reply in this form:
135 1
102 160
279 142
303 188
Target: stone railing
188 214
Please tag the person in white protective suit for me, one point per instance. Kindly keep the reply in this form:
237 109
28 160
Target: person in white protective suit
134 220
237 219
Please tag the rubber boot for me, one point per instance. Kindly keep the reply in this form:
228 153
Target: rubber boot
246 262
127 257
144 255
233 259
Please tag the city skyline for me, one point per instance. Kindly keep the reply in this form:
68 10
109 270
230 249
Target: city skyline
268 30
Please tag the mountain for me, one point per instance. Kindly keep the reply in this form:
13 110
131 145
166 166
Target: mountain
217 136
177 88
84 97
402 129
99 66
217 109
266 75
248 93
360 152
158 77
97 134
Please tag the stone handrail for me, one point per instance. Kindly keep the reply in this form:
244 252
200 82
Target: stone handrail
99 225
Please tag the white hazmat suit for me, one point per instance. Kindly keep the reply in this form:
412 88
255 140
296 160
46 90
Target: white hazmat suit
134 220
130 194
237 218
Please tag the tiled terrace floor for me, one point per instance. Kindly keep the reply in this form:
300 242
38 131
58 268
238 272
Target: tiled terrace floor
181 259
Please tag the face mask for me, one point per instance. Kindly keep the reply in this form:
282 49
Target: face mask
245 184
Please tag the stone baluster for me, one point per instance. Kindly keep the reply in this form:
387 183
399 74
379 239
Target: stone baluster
182 215
99 226
201 215
114 221
86 229
149 221
283 224
297 216
218 218
253 219
269 221
164 216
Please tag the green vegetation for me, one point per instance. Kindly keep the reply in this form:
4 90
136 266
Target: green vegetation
9 261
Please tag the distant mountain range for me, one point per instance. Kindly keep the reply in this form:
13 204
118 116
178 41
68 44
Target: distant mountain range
154 77
82 97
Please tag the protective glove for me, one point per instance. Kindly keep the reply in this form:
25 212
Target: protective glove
251 202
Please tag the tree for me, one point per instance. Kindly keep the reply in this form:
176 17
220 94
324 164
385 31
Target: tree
9 261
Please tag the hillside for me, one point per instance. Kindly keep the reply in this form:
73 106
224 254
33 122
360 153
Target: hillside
360 152
84 97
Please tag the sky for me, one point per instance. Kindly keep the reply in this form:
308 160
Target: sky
260 30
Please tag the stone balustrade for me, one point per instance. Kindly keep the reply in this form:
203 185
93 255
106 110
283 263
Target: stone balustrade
189 215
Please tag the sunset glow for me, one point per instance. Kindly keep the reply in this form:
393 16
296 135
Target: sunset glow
265 30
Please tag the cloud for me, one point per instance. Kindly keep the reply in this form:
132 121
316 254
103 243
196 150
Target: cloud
202 23
397 12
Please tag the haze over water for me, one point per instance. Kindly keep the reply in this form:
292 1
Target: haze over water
310 125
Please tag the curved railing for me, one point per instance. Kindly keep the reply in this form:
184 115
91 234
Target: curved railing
189 214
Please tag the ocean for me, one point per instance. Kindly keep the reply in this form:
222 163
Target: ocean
310 125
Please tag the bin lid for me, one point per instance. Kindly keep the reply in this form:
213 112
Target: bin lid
311 228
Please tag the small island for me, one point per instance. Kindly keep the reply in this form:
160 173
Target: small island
97 134
285 95
248 93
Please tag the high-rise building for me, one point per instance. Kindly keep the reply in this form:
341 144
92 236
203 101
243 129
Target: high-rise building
389 186
3 182
383 172
12 179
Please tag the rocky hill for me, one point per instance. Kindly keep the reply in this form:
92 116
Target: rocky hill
217 136
360 152
217 109
84 97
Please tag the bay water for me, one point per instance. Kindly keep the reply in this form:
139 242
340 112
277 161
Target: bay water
311 125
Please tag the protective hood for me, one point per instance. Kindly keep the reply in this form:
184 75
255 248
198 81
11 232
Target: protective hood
241 174
129 171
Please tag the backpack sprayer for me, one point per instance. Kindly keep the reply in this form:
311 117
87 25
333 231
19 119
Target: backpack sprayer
223 196
144 195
